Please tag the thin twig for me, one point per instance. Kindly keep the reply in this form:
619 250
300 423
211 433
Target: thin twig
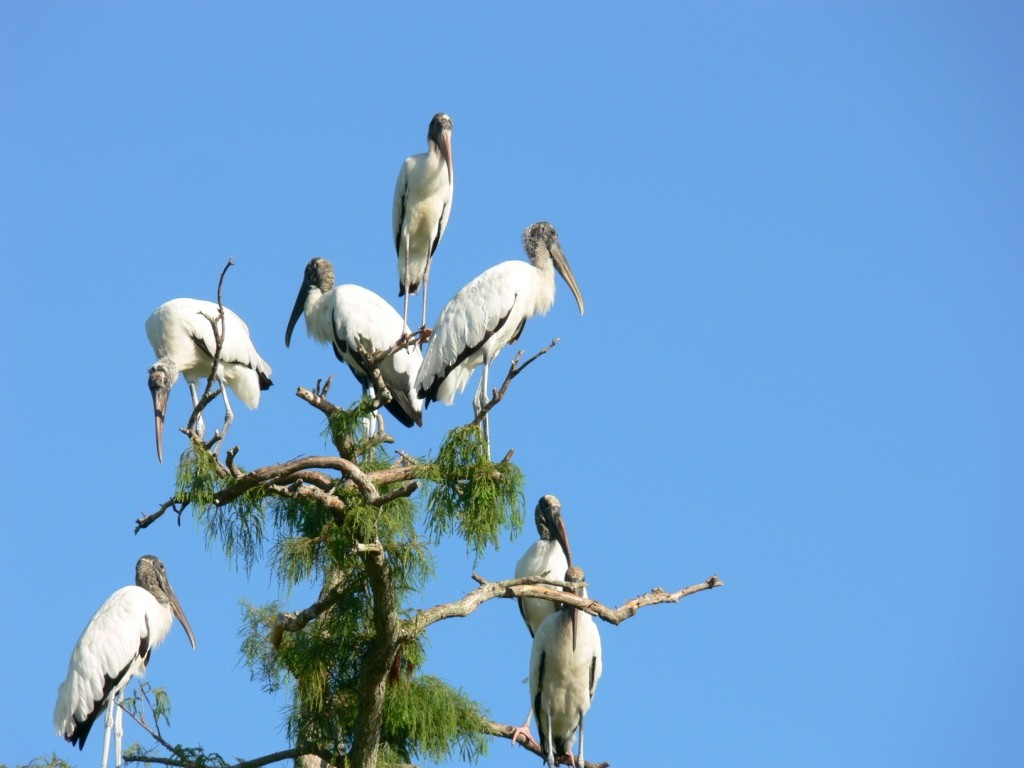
514 370
172 503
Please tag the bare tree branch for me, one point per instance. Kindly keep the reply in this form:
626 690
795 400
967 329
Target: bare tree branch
209 394
172 503
513 370
533 586
286 754
507 731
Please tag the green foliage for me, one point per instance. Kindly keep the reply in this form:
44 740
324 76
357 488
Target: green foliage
44 762
263 661
425 717
145 697
469 495
239 525
322 653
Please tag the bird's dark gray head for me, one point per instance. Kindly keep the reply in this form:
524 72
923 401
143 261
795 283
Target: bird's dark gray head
151 575
440 134
438 124
319 274
162 376
541 242
575 576
550 526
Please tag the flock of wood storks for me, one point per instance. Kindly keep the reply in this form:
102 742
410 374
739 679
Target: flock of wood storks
483 317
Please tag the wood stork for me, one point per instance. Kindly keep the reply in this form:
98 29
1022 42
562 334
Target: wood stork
548 556
422 205
349 317
489 313
183 340
115 646
565 665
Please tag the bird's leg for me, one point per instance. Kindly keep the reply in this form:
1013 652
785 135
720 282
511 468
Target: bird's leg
482 395
550 745
118 728
405 283
229 415
108 725
200 426
426 280
523 730
581 762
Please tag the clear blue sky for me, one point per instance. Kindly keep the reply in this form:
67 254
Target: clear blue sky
799 231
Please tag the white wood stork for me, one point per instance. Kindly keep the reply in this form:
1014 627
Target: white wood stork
422 205
565 665
183 340
115 646
489 313
548 556
349 317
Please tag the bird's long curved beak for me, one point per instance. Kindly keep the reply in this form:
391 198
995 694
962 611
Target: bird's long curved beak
177 609
159 388
300 305
558 257
561 536
446 152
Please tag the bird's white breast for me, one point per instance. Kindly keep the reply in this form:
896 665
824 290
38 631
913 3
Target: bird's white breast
543 558
566 690
109 644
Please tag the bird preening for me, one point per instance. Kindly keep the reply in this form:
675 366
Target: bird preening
115 646
489 313
420 211
359 324
183 334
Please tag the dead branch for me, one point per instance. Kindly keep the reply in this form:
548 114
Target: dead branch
506 732
276 757
172 503
514 370
404 341
535 587
209 395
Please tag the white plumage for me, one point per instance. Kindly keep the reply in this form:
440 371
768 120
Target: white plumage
422 205
349 317
548 556
115 646
565 665
489 313
183 340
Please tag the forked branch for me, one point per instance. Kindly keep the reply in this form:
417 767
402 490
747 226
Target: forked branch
513 370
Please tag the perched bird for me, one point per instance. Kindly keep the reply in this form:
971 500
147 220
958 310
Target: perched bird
181 333
548 556
565 665
422 205
115 646
351 318
489 313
